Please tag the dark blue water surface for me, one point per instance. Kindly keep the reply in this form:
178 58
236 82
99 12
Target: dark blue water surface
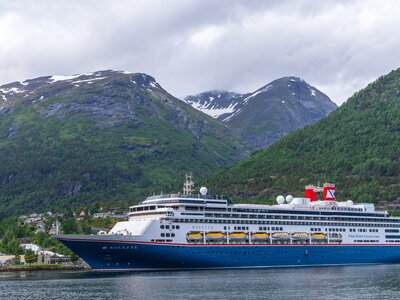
351 282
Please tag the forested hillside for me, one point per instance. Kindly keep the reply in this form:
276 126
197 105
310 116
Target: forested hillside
106 136
357 147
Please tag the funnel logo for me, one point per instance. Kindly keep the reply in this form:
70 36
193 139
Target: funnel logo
330 194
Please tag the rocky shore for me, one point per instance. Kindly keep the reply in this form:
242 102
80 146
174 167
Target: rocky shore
44 268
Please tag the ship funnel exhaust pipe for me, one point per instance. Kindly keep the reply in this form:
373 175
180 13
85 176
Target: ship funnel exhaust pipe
311 193
329 192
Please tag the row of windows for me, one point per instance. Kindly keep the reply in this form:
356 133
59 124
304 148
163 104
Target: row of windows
167 234
350 212
142 208
192 214
392 236
272 228
288 217
336 229
168 227
334 210
363 230
313 213
280 222
239 228
150 213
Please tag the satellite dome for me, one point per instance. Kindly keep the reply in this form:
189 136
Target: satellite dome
349 203
289 199
203 191
280 199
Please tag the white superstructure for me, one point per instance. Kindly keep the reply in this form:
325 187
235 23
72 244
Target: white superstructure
202 219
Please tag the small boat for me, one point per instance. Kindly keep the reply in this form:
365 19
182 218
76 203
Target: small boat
335 237
318 236
194 235
280 235
237 235
214 235
300 235
260 235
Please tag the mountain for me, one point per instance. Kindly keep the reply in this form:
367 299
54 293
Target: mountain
217 104
269 113
356 147
105 136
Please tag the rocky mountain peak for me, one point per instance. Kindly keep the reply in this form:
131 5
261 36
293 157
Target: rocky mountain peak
270 112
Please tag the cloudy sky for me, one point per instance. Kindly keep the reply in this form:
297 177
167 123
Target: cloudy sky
193 46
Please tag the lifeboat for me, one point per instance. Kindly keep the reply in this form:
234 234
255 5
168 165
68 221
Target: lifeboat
214 235
335 237
318 236
194 235
259 236
237 235
280 235
300 235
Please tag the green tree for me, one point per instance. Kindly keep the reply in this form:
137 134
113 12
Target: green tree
10 244
17 260
74 258
69 226
30 257
85 228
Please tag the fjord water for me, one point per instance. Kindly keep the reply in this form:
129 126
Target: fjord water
349 282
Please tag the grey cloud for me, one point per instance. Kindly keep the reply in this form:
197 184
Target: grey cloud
192 46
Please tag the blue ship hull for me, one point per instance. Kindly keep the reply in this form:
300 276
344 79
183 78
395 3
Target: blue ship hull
123 255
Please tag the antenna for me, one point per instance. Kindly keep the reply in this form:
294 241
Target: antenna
188 185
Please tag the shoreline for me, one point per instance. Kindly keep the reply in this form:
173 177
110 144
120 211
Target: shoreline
43 268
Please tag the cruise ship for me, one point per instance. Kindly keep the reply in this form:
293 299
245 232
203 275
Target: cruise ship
198 231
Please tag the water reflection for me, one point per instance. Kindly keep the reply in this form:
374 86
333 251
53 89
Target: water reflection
361 282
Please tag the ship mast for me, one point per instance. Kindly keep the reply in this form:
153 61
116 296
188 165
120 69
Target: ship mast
188 185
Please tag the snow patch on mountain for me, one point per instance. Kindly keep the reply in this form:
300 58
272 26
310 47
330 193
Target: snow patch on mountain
154 84
312 92
11 90
56 78
214 112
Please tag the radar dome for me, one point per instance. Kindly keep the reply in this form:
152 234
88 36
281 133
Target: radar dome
203 190
289 199
280 199
349 203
